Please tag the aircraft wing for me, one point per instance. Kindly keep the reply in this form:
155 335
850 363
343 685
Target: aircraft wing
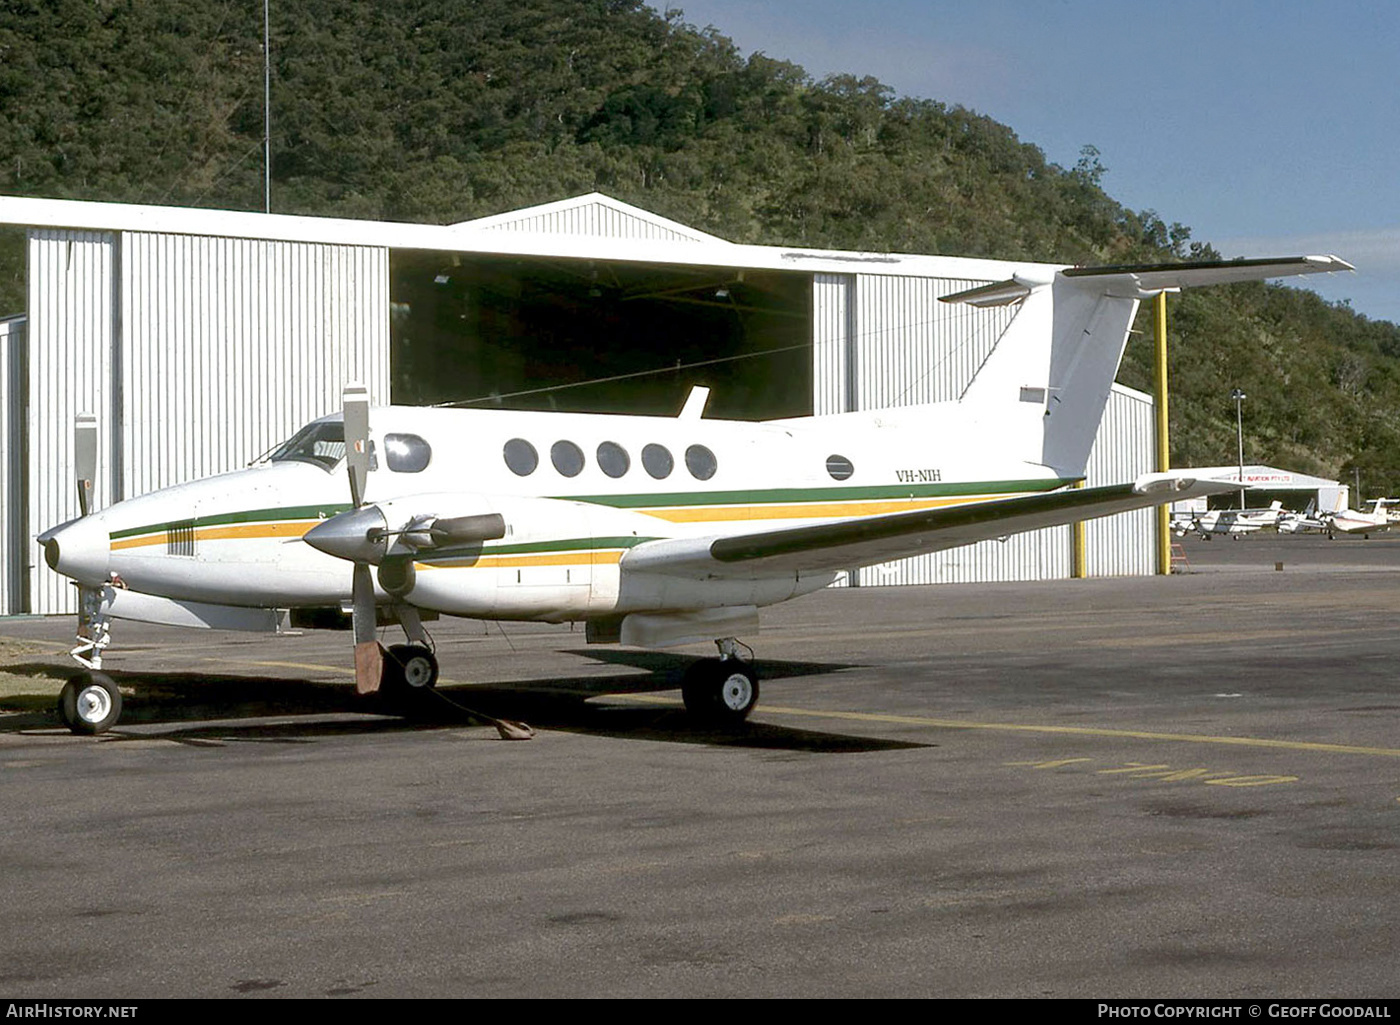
866 540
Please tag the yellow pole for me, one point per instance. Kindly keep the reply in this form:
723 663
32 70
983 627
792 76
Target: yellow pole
1164 546
1079 568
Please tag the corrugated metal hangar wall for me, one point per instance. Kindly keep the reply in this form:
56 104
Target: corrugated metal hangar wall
14 545
196 354
199 352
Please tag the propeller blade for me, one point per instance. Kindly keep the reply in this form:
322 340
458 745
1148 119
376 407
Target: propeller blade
355 402
85 459
369 655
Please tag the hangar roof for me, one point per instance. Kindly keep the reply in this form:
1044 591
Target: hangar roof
592 226
1266 478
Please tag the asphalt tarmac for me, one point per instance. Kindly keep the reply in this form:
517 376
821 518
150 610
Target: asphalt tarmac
1162 787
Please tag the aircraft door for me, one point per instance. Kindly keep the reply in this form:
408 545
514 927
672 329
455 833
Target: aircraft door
605 573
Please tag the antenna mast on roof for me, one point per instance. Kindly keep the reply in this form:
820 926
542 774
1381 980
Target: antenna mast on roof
267 113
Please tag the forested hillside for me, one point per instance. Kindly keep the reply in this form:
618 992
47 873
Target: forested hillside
450 109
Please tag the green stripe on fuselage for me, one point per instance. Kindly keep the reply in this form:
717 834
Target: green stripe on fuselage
774 495
296 512
670 499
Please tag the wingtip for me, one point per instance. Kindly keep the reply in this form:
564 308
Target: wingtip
1329 263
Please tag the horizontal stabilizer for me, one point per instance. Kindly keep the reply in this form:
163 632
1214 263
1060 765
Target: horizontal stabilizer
1151 278
998 293
1138 281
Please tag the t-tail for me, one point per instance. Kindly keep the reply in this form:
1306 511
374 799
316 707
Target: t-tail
1045 402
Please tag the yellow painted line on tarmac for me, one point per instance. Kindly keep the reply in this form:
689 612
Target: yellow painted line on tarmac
308 666
1214 637
954 724
1073 731
341 670
777 637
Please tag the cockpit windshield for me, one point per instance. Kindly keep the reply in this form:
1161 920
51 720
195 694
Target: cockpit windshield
322 443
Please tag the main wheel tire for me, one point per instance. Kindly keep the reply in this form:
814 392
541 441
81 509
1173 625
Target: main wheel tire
697 692
410 670
738 690
720 692
90 703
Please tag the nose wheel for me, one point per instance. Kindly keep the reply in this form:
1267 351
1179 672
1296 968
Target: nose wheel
90 703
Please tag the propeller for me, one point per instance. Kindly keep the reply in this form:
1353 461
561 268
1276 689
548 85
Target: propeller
361 536
84 548
85 459
81 548
369 653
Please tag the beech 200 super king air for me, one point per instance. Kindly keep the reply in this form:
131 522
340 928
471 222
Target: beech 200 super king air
653 531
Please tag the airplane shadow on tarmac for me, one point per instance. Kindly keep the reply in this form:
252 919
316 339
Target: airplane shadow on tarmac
201 709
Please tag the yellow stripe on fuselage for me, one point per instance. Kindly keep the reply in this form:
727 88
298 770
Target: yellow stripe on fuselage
672 514
241 531
809 510
609 557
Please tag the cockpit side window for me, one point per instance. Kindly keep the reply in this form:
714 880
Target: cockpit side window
322 443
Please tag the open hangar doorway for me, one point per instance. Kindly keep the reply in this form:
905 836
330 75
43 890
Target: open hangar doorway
598 336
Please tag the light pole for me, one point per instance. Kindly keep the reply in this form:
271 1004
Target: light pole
1238 396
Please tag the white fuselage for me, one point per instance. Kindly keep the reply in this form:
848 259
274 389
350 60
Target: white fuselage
585 489
1355 521
1227 521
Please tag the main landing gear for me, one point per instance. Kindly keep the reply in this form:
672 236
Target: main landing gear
721 691
410 672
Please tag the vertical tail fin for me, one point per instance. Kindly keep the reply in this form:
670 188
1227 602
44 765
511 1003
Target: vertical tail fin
1044 386
1045 401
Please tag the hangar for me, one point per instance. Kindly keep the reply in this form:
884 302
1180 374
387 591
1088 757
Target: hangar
201 338
1267 483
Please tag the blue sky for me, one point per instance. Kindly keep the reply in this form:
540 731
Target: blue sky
1268 128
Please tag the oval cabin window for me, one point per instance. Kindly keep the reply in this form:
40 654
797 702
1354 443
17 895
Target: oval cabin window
613 459
567 458
700 461
839 467
657 461
521 457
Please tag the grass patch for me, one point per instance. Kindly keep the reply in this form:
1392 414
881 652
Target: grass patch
31 674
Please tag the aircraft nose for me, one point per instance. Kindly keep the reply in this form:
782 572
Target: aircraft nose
81 549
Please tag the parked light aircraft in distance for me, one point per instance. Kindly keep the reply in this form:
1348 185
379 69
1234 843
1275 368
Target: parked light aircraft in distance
1235 522
1357 521
653 531
1300 523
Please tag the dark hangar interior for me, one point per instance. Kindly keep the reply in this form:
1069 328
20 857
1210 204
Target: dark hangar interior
598 336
